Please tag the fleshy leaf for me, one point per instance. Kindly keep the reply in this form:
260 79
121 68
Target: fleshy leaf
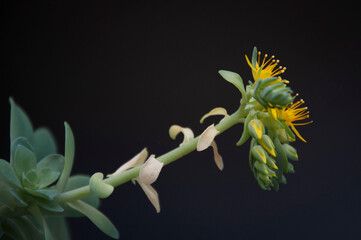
8 173
59 228
17 142
51 206
20 125
235 79
98 218
53 161
216 111
44 143
78 181
47 176
24 161
35 211
69 157
43 193
28 227
98 187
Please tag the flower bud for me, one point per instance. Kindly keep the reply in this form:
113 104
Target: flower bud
259 154
271 163
256 128
291 152
267 144
260 167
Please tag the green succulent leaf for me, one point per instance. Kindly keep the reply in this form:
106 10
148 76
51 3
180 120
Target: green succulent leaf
98 187
38 215
235 79
17 198
59 228
44 143
43 193
281 157
17 142
14 230
20 124
98 218
74 182
24 161
69 157
8 173
29 228
48 205
47 176
254 57
53 161
30 179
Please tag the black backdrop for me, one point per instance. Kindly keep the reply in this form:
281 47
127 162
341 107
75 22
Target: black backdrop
122 73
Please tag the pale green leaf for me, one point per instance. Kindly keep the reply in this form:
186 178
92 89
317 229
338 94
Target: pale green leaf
98 218
44 143
8 173
20 124
235 79
24 161
69 157
52 161
47 176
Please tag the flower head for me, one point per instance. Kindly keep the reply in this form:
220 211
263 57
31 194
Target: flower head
295 113
265 69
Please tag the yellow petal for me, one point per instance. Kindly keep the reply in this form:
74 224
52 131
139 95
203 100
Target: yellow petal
297 133
134 162
174 130
206 138
273 112
217 157
214 112
152 195
149 172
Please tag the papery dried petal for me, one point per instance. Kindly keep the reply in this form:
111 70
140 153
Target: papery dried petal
151 194
206 138
215 111
174 130
217 157
134 162
149 172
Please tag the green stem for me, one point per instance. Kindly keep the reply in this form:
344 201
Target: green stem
171 156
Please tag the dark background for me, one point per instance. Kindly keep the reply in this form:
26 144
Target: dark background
122 73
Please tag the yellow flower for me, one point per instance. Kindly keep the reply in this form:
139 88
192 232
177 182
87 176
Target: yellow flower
266 69
294 113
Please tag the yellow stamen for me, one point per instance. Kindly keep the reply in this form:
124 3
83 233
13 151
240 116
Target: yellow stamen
293 113
267 68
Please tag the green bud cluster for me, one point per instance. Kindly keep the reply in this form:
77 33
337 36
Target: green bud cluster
268 156
272 92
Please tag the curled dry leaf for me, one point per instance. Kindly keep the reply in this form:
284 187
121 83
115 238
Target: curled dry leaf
134 162
174 130
216 111
217 157
206 138
151 194
149 172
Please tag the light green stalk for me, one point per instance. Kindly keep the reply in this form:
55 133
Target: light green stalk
171 156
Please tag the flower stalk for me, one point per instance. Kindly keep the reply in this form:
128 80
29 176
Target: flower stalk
167 158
